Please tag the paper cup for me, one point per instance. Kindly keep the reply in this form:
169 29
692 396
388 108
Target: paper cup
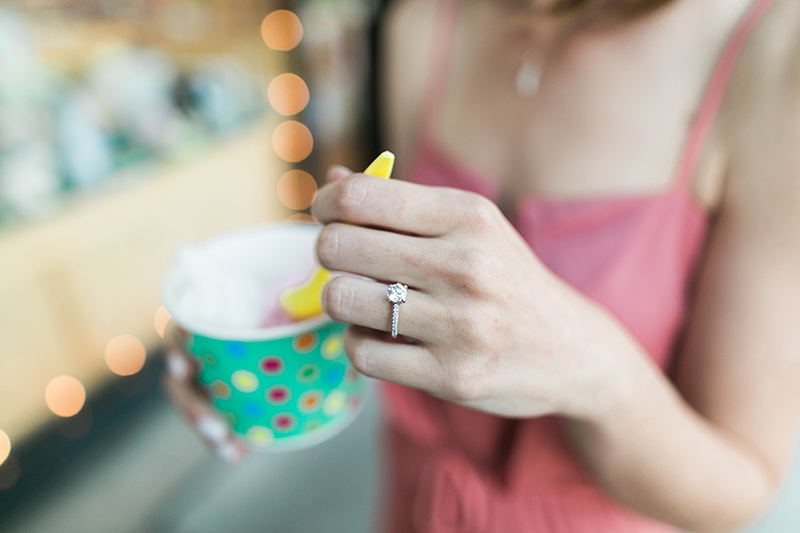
280 388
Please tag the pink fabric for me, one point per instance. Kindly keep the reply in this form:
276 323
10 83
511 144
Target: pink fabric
456 469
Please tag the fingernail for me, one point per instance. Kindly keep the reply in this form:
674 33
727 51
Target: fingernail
212 429
323 299
229 452
177 366
337 172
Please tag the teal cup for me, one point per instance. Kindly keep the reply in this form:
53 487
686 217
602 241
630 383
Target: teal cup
281 387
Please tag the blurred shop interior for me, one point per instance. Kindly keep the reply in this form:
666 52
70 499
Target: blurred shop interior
127 128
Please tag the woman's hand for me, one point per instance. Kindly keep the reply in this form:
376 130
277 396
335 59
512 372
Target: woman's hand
193 405
489 326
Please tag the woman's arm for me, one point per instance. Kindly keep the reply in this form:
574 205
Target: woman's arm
713 458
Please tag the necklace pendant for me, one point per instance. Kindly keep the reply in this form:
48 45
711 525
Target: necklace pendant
529 77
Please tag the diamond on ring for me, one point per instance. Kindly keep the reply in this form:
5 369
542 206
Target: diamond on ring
396 295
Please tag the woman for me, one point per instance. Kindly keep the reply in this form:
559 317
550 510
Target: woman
624 356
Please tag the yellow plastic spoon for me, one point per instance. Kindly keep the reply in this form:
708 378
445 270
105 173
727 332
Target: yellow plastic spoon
305 300
382 166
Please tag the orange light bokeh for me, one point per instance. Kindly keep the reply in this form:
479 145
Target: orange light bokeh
297 189
302 217
161 320
288 94
125 355
281 30
5 446
292 141
65 396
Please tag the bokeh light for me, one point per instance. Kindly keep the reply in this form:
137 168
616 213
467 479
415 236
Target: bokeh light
297 189
65 396
5 446
281 30
288 94
292 141
125 355
302 217
161 320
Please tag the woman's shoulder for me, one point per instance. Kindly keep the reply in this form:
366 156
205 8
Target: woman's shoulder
769 66
761 115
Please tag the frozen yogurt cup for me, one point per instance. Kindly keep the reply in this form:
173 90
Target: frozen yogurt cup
281 385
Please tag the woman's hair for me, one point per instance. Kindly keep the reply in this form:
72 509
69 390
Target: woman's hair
606 10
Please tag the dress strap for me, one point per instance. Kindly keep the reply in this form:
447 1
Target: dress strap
714 94
441 57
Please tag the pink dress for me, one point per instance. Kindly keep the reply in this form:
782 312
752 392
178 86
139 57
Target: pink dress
457 469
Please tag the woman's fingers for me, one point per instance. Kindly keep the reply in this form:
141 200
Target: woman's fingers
391 204
363 302
379 254
375 355
192 405
337 172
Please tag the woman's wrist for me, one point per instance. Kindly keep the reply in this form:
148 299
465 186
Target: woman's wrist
616 368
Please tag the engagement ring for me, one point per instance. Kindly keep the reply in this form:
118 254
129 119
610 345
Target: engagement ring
396 295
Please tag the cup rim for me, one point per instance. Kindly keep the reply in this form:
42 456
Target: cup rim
241 334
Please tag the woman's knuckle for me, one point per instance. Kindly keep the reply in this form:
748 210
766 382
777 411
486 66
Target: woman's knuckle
471 269
351 196
479 213
475 333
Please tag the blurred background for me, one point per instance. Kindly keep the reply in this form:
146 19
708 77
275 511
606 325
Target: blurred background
127 128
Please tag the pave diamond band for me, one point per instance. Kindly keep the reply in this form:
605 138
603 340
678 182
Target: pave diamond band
396 295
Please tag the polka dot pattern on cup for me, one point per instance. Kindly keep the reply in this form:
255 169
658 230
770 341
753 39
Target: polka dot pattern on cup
305 342
352 375
309 401
220 389
311 425
332 347
230 417
334 403
308 373
271 365
334 376
278 395
244 381
236 349
253 410
284 422
260 436
355 402
281 391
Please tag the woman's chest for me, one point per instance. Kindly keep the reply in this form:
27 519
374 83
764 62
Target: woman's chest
611 116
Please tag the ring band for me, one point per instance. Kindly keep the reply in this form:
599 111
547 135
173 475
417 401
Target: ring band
396 295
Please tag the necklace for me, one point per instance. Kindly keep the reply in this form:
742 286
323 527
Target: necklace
529 75
544 42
